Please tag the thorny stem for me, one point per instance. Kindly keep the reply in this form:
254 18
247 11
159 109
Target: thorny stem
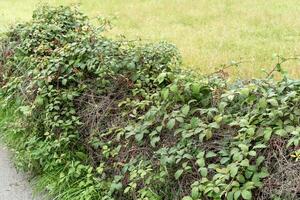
280 61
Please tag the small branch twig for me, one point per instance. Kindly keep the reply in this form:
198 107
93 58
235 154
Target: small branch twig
280 61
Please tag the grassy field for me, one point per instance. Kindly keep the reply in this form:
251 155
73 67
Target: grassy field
207 32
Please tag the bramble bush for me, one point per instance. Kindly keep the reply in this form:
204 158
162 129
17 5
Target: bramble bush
100 118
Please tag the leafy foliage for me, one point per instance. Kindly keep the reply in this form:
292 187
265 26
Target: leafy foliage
113 119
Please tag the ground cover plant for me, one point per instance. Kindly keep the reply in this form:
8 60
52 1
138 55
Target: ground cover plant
207 32
100 118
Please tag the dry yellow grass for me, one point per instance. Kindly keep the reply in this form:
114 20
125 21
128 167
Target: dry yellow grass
207 32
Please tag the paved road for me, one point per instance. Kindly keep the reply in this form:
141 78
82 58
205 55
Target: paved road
13 185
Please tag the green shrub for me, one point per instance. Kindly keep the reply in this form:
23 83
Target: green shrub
113 119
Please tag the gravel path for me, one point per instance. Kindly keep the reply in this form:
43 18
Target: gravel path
13 185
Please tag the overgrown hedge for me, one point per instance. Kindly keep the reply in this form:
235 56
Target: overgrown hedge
100 118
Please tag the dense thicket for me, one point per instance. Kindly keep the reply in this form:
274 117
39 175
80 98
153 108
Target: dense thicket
99 118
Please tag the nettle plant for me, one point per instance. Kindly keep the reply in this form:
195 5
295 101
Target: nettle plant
113 119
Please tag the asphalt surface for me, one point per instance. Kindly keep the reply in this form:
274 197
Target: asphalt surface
13 185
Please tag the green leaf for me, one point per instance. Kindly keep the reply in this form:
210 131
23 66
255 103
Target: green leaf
262 103
208 134
195 122
267 134
165 93
115 186
252 153
230 195
218 118
139 136
161 77
281 132
259 146
185 110
39 100
178 174
200 162
263 174
210 154
81 155
245 92
131 66
237 156
195 193
187 198
203 171
246 194
241 178
171 124
195 88
273 102
180 119
154 140
174 88
237 194
233 170
100 170
64 82
25 110
222 170
224 160
244 147
245 163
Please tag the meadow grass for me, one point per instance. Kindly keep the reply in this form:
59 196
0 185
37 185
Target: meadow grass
207 32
